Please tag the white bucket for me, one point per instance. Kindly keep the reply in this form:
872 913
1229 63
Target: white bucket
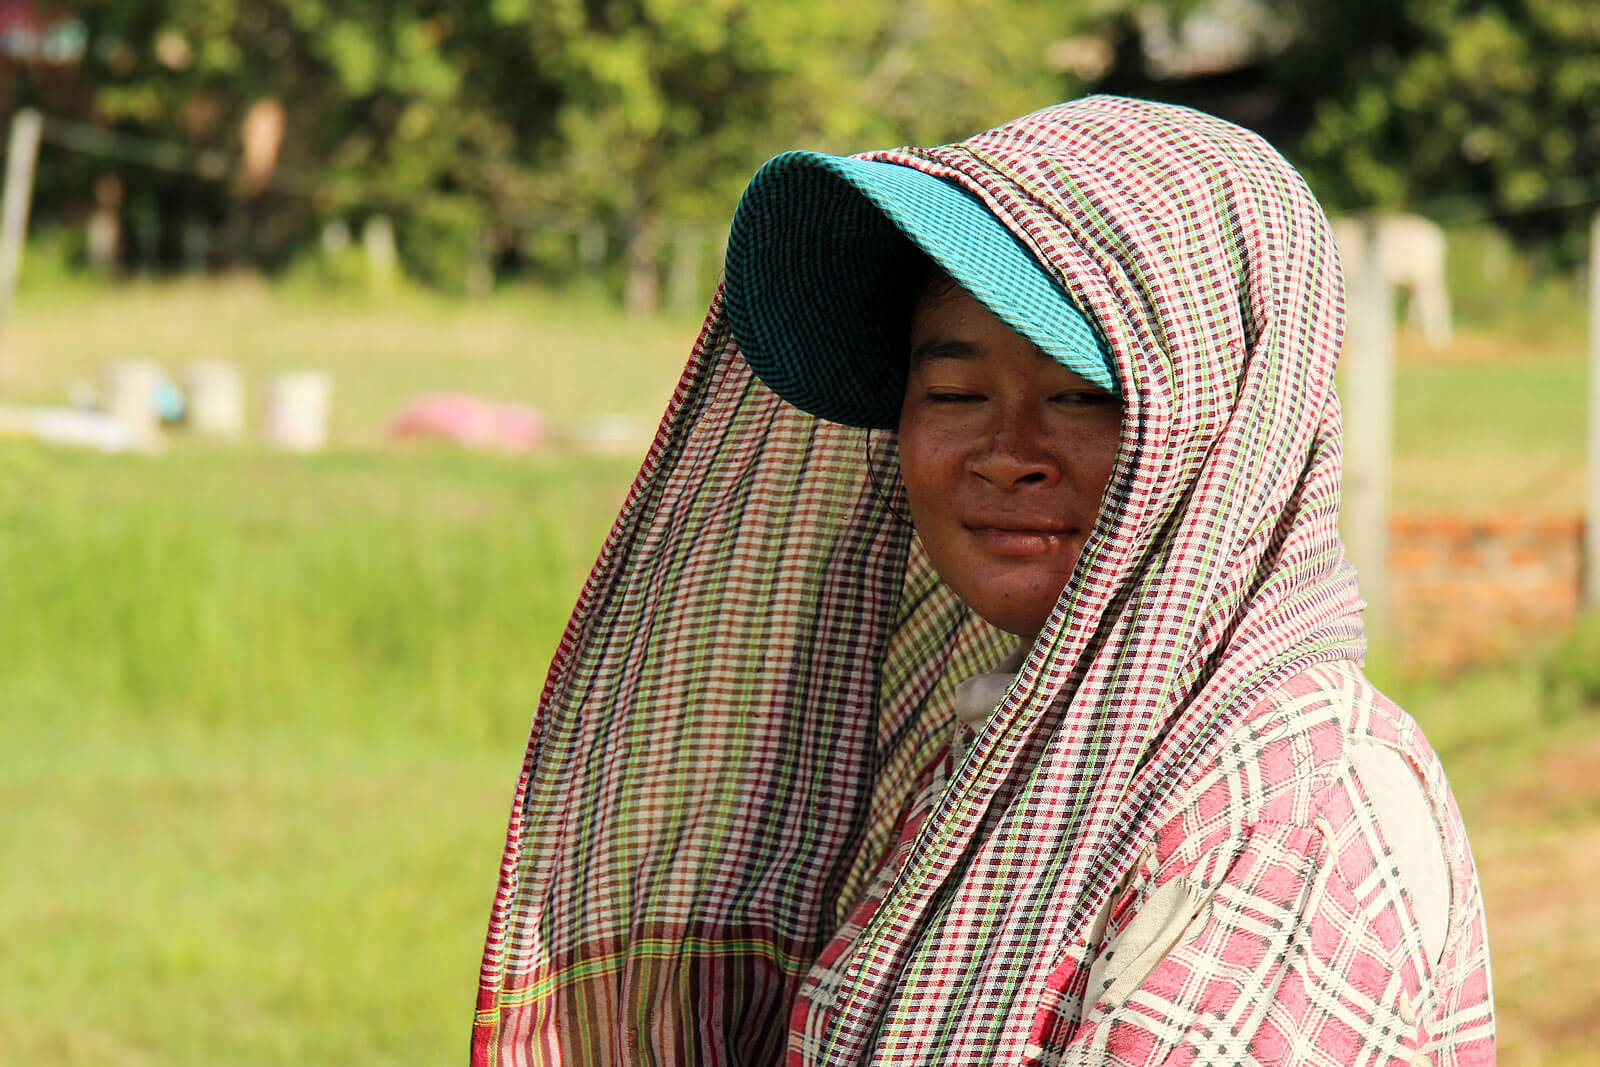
216 399
130 399
297 410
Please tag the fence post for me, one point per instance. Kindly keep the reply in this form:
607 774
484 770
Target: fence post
1591 503
1369 428
21 154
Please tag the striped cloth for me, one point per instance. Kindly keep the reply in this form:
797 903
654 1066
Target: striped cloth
758 675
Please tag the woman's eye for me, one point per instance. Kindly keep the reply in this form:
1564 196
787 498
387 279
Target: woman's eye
944 396
1083 398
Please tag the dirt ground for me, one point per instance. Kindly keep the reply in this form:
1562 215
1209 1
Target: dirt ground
1542 892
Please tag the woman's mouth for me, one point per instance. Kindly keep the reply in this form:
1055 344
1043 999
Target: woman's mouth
1020 540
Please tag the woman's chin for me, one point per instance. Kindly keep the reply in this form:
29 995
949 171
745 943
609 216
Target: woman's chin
1022 611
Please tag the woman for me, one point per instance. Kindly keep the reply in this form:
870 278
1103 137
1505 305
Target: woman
1082 770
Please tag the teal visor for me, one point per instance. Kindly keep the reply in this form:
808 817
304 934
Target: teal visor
822 271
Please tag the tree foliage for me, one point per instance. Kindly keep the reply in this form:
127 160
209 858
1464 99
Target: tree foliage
1464 107
667 106
390 108
478 124
472 120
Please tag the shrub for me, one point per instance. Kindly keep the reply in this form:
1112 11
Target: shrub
1572 674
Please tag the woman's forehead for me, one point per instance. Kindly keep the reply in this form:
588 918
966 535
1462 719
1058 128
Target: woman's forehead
951 324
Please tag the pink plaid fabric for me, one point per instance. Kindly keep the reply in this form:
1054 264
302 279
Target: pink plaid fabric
740 738
1289 936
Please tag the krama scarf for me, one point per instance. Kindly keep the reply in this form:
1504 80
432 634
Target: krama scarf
761 661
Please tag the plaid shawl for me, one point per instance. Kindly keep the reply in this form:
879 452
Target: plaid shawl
760 664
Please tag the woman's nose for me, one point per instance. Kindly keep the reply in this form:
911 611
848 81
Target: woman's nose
1015 454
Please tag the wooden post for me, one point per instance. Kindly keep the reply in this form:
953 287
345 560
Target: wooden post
641 292
194 240
297 410
130 399
1369 429
383 255
1591 503
21 154
216 399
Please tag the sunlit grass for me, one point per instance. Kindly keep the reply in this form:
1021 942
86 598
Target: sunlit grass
259 897
1494 426
255 589
262 722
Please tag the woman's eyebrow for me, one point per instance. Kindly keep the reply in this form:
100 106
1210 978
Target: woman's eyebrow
943 348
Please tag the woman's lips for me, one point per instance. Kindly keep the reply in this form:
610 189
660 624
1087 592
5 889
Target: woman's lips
1020 540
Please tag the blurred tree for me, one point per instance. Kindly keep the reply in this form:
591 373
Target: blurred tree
1459 108
666 107
595 124
391 108
1494 102
469 121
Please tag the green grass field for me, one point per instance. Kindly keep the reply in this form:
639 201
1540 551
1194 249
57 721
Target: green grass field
263 718
263 714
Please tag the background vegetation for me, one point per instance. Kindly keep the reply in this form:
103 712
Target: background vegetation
524 136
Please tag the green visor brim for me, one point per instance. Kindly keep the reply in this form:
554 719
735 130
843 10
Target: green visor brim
822 267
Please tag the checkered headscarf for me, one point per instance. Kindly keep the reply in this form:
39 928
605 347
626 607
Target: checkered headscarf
761 660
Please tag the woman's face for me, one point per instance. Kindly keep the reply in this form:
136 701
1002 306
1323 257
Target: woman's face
1005 455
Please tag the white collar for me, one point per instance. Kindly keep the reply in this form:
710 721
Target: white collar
977 697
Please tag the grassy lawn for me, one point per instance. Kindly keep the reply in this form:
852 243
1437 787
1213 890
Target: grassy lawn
263 720
242 897
1482 436
263 715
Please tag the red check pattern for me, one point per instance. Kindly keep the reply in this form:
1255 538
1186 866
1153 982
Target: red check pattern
1295 942
756 679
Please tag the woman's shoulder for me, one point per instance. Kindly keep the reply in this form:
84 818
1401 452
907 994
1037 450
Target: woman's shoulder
1294 749
1328 757
1281 763
1325 823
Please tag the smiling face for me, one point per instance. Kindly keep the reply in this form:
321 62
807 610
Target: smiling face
1005 454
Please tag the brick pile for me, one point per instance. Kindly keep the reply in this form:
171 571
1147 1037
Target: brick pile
1465 590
